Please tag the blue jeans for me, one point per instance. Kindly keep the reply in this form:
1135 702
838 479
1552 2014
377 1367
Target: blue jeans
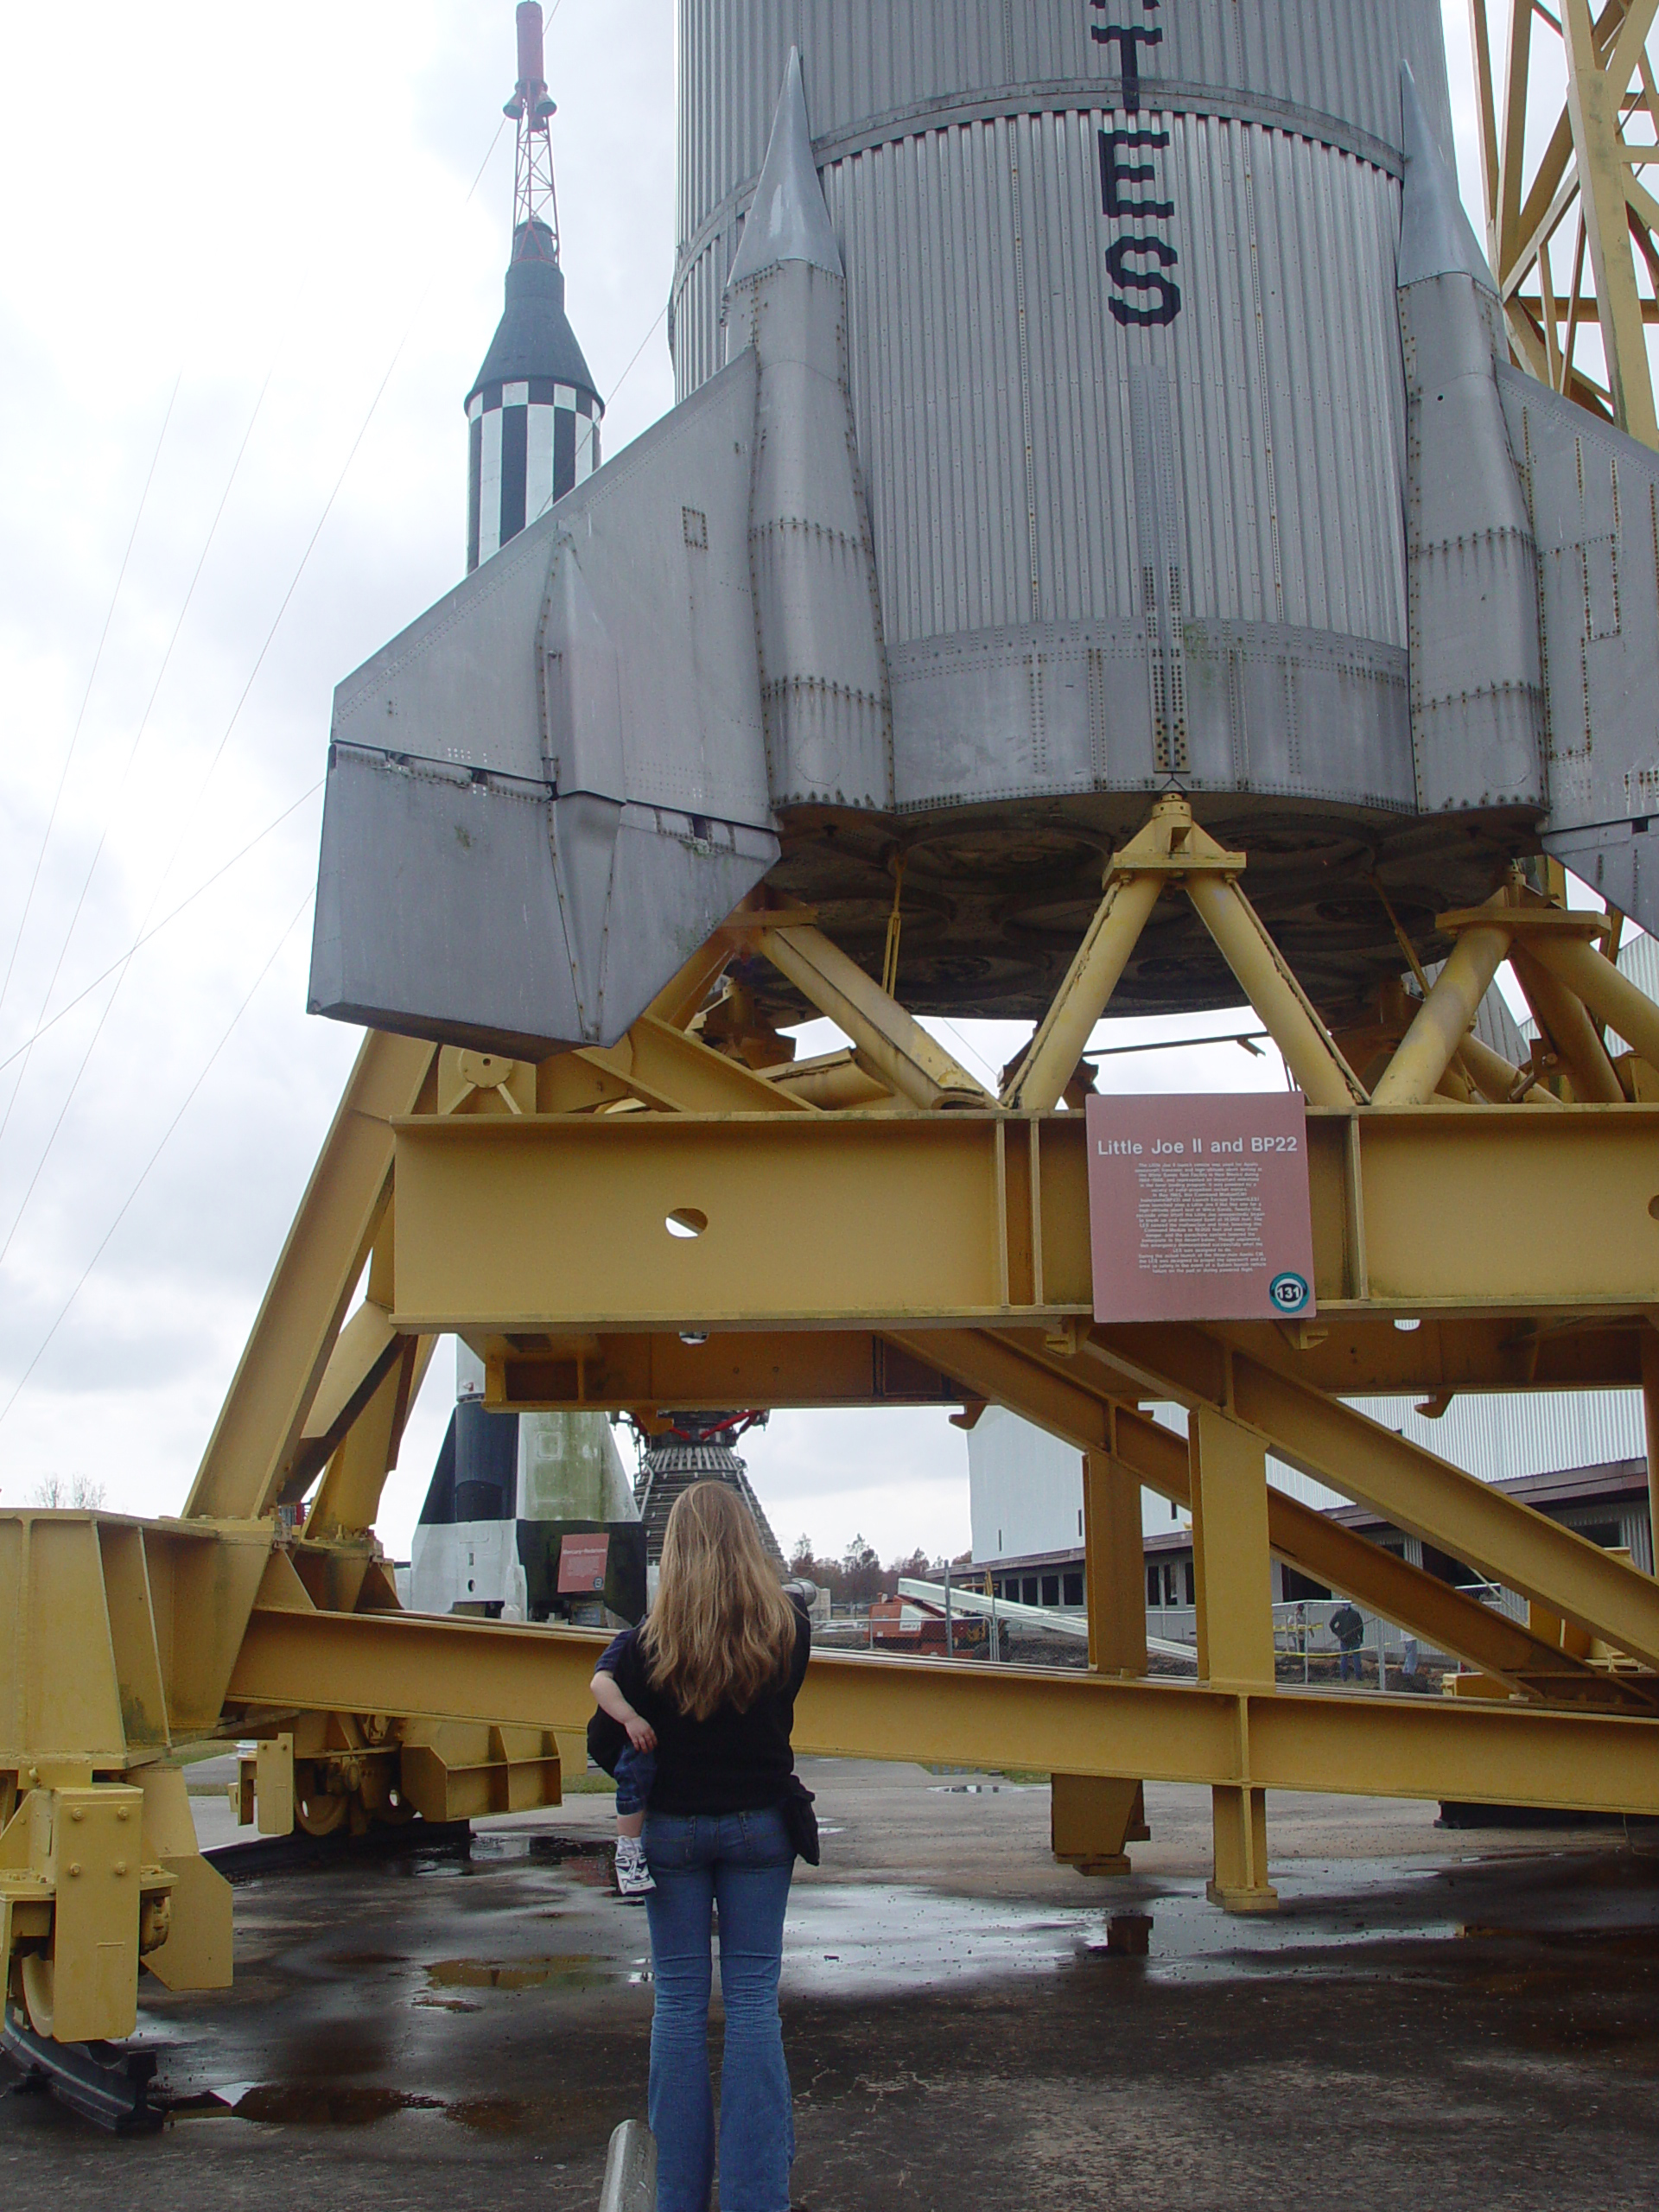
743 1862
1349 1658
636 1772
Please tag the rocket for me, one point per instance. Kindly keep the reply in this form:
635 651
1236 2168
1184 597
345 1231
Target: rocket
1137 413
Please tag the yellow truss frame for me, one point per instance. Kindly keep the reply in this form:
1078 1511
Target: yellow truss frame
875 1227
1585 185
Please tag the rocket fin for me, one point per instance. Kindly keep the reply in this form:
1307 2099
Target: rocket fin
1436 237
1593 497
823 663
787 219
1476 697
547 792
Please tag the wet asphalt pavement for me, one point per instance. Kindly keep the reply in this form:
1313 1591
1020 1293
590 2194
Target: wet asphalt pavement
1468 2018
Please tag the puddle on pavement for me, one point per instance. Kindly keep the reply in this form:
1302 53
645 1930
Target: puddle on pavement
327 2104
566 1970
846 1940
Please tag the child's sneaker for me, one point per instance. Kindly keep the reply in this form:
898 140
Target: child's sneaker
632 1873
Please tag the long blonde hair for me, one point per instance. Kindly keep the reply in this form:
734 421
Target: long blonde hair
721 1629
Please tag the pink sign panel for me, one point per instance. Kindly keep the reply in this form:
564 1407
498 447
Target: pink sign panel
1198 1208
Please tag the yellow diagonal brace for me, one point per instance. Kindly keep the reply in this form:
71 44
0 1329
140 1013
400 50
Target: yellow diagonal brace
1310 1051
258 1431
893 1041
1418 1493
668 1070
1443 1020
1072 1399
1082 999
1612 998
1592 99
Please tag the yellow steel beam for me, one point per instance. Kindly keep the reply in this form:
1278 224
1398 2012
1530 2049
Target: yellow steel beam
1593 99
948 1217
1073 1399
1444 1019
260 1426
1416 1490
1051 1059
1612 998
1309 1050
668 1070
120 1635
349 1496
1567 1029
1115 1553
1229 1475
1357 1357
366 1350
894 1042
852 1706
1445 1618
771 1369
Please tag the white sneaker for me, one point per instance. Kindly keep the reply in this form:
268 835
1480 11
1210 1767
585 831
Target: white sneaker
632 1872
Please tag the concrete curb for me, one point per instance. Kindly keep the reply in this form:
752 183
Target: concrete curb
629 2170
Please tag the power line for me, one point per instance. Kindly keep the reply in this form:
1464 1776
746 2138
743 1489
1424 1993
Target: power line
144 1176
138 739
139 943
247 688
86 700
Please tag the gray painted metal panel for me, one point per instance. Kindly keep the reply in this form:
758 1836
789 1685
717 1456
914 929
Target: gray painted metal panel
1477 683
652 691
1593 497
545 795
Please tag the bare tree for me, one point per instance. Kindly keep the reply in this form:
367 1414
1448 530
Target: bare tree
79 1495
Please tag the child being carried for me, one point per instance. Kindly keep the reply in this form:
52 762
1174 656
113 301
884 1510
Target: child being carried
635 1770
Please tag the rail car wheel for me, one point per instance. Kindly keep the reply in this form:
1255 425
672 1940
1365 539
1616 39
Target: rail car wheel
316 1809
40 1992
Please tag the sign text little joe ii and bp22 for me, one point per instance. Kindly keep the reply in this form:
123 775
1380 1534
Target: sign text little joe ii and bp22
1198 1208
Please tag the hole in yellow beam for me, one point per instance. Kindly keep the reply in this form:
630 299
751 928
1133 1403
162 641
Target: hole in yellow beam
686 1221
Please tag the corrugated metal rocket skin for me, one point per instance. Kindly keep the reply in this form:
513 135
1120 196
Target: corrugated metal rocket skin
1124 358
1477 687
822 671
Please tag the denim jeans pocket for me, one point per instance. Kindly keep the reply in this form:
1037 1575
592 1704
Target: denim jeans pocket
671 1838
757 1839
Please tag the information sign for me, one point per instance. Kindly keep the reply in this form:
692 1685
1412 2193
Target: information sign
1198 1207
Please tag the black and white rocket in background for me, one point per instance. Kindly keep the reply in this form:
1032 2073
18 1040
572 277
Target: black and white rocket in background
532 414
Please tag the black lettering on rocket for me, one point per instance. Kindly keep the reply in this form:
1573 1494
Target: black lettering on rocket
1128 187
1129 38
1166 302
1115 174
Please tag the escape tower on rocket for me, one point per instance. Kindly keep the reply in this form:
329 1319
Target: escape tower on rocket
533 413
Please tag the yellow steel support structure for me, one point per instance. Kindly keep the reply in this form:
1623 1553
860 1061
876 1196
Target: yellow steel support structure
1566 248
686 1219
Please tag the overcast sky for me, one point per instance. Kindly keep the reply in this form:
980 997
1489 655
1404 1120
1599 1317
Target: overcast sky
253 261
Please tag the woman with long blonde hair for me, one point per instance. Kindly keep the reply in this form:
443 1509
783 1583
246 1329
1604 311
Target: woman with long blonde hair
708 1684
